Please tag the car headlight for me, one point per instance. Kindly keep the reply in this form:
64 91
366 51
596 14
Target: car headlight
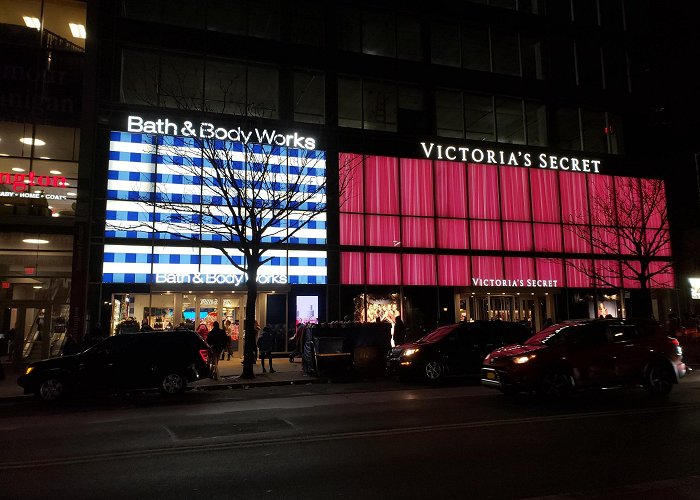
410 352
29 370
519 360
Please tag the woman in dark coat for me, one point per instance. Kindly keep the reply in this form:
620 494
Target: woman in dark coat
265 347
217 339
399 331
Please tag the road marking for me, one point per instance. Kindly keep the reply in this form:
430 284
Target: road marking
209 446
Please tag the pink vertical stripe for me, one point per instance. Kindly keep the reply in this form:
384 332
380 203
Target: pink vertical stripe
545 196
351 171
548 238
517 236
352 268
519 268
453 270
452 233
485 267
352 229
483 191
574 198
485 235
418 269
576 278
381 185
451 189
383 269
382 230
416 187
515 193
550 270
418 232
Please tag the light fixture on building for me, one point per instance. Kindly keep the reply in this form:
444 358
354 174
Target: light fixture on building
17 169
55 214
37 287
77 30
44 158
71 194
35 241
29 141
55 172
32 22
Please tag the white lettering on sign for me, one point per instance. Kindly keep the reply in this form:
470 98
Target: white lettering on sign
529 282
515 158
206 130
218 279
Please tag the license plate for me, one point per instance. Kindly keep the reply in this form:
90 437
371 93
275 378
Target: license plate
491 375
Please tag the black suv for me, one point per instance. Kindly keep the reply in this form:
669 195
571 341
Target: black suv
457 349
163 360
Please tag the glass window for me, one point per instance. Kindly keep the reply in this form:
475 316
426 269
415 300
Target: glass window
226 16
563 69
181 82
615 134
444 43
590 71
565 129
378 33
350 102
475 48
615 63
263 92
411 112
448 114
225 87
11 133
182 13
264 19
531 50
506 58
139 84
509 120
536 123
309 97
307 24
349 32
379 106
409 40
586 12
478 117
593 131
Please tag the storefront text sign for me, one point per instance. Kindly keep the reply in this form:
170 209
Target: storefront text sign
206 130
529 282
22 182
515 158
219 279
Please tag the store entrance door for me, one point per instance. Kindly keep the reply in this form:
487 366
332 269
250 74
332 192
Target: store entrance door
28 331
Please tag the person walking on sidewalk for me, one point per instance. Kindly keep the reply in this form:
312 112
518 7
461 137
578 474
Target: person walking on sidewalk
265 348
217 339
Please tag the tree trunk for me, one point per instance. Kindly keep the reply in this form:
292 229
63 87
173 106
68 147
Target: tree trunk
641 302
249 346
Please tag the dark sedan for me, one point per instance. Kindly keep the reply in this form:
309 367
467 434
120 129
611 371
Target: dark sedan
457 349
163 360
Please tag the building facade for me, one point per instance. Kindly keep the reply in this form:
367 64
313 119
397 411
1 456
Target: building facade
479 161
41 73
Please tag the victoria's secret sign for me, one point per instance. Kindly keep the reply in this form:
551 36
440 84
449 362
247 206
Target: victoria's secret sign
514 158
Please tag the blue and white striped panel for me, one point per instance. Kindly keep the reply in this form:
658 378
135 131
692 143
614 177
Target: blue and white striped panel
138 177
143 264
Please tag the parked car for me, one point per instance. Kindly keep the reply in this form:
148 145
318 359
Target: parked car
163 360
588 354
457 349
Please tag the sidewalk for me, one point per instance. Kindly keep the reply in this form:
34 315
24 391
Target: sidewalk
286 373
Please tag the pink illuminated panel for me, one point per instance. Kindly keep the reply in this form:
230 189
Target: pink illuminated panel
550 269
630 268
418 232
658 216
452 233
575 241
352 268
605 240
548 238
483 191
381 185
545 196
602 191
416 187
574 198
607 273
664 279
661 240
453 270
485 235
352 229
515 194
383 269
576 276
519 268
517 236
451 189
383 230
351 169
484 267
418 269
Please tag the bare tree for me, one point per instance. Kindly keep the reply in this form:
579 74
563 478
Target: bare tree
629 225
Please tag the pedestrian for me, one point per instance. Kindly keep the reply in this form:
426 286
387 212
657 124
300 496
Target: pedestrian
10 344
265 347
203 331
145 327
399 331
217 339
229 344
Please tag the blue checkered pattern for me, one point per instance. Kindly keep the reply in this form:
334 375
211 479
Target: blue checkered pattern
134 171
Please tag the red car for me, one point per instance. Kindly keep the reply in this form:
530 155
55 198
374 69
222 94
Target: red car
588 354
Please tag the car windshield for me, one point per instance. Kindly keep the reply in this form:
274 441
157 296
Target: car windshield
438 334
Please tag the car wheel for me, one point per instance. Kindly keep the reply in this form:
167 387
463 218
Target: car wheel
434 371
659 380
52 389
173 383
555 384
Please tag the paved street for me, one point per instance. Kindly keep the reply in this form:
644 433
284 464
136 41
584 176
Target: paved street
374 439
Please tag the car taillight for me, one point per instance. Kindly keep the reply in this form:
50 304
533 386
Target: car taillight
675 342
204 353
